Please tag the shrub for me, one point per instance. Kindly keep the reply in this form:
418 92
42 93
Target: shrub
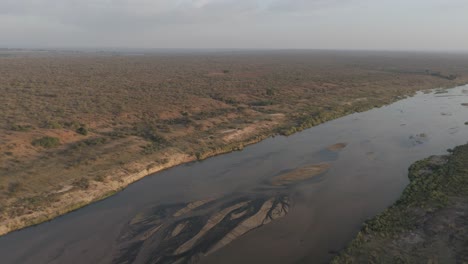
262 103
150 133
100 178
46 142
82 131
13 187
82 183
184 120
52 125
95 141
21 128
152 148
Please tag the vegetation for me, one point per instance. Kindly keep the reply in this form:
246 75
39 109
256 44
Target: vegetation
23 128
428 222
82 130
82 183
140 110
46 142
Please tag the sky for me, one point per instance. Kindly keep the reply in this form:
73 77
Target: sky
236 24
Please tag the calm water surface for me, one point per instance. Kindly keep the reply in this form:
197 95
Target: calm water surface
325 212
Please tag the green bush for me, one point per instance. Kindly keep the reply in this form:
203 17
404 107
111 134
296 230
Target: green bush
46 142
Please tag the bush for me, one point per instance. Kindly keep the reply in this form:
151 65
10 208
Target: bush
22 128
52 125
46 142
150 133
100 178
82 183
262 103
95 141
82 131
151 148
13 187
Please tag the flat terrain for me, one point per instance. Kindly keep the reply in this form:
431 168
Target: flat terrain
428 224
77 127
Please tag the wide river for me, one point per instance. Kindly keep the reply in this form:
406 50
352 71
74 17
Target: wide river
284 200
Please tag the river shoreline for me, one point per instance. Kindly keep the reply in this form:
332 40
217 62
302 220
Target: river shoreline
427 224
332 177
75 199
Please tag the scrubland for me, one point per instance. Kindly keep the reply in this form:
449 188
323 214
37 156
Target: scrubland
78 127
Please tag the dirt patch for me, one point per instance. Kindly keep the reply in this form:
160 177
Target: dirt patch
248 131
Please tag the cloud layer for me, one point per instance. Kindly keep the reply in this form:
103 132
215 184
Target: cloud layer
353 24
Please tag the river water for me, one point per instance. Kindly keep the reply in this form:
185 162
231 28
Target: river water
214 211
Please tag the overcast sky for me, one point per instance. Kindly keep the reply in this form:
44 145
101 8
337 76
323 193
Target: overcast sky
271 24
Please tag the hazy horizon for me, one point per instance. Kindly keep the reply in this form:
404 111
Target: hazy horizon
432 25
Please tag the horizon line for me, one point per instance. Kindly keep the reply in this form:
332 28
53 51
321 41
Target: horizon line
141 49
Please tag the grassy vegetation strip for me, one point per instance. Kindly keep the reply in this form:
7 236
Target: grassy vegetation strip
428 224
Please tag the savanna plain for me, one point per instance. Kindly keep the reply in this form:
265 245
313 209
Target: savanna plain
76 127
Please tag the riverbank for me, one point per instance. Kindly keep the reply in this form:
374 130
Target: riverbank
428 224
70 198
45 207
39 209
60 153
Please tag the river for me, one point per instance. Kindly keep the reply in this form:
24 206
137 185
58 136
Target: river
296 199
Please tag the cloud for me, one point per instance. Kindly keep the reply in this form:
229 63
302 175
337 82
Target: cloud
115 10
230 23
95 20
111 14
304 6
